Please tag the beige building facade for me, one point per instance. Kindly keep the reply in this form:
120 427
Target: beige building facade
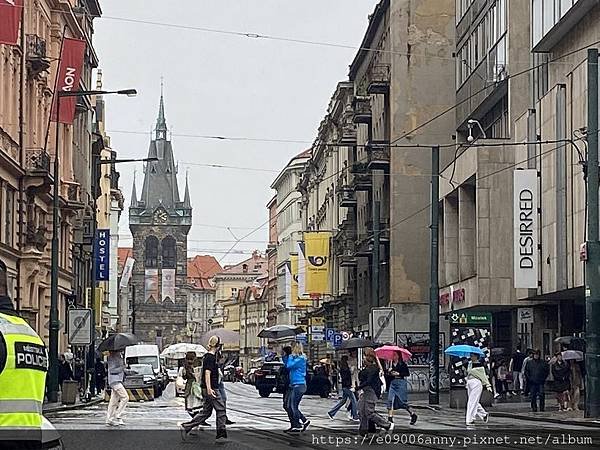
27 73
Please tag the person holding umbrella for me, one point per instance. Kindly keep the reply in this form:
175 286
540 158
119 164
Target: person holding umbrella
477 379
370 385
398 389
118 394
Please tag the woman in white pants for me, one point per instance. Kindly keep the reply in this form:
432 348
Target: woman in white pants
477 379
118 395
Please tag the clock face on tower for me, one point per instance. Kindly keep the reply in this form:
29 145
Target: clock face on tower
160 216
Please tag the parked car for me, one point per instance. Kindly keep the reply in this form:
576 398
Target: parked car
148 354
268 380
250 377
229 373
142 375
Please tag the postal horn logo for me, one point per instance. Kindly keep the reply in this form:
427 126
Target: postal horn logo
317 261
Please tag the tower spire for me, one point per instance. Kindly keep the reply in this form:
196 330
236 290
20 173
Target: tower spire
161 122
133 193
186 198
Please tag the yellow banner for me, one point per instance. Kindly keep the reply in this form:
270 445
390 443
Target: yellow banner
317 262
296 299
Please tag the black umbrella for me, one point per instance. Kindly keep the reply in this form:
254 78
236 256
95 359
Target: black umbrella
354 343
117 342
280 331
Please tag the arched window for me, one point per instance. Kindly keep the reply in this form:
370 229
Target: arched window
151 252
169 253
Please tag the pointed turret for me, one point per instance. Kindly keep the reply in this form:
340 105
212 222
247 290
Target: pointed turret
186 198
161 122
134 201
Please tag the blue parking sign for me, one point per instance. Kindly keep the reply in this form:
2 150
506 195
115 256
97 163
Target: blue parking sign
329 333
337 339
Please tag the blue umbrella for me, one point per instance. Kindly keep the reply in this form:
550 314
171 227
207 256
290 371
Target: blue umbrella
463 351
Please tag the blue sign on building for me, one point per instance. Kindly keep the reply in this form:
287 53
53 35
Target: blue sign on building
337 339
302 338
102 254
329 332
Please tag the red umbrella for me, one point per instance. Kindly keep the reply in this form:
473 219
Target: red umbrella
388 351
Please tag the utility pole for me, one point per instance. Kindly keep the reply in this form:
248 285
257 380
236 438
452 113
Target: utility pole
592 265
434 298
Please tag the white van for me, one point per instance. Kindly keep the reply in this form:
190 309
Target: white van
147 354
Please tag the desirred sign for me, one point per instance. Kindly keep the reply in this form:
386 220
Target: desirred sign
10 21
69 74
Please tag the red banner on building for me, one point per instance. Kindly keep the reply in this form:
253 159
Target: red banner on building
10 21
69 73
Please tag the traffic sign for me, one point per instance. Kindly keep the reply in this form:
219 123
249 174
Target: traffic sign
382 325
345 335
329 333
337 339
79 326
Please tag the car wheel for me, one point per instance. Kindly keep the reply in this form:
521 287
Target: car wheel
264 393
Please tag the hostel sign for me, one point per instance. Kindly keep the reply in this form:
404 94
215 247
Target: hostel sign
102 254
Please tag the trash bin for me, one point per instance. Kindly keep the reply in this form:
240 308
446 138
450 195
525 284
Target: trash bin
70 389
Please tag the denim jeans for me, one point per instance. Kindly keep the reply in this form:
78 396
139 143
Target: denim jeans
347 394
298 391
287 405
537 390
398 388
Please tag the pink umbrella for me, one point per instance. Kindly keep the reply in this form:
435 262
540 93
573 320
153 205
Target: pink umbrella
388 351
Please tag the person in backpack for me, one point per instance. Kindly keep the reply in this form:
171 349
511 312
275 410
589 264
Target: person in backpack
347 394
284 380
370 384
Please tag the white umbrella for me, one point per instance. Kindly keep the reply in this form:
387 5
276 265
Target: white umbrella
178 351
572 355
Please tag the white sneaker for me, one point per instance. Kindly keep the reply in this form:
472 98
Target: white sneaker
110 423
391 428
119 422
349 415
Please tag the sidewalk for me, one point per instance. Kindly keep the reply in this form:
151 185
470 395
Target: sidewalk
56 407
514 408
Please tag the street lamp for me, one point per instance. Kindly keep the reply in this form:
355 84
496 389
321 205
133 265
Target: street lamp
54 324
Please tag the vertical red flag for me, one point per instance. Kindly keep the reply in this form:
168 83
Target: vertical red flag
69 74
10 21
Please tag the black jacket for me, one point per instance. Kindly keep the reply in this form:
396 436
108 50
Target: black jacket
346 376
401 368
369 377
536 371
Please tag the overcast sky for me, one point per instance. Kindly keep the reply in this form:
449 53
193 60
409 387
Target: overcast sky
224 85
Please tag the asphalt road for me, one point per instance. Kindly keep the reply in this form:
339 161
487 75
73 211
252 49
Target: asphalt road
259 424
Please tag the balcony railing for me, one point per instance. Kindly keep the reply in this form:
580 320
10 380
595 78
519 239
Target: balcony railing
362 109
379 82
346 197
37 61
37 161
378 155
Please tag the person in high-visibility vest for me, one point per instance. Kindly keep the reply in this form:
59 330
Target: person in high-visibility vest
23 367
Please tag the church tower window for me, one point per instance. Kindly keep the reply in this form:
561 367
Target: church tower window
169 253
151 252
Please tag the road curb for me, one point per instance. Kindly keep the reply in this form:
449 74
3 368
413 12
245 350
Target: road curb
545 419
71 407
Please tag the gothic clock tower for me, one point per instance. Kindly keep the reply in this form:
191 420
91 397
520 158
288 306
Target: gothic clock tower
160 222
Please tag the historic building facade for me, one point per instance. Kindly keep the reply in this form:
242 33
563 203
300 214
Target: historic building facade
27 149
160 222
